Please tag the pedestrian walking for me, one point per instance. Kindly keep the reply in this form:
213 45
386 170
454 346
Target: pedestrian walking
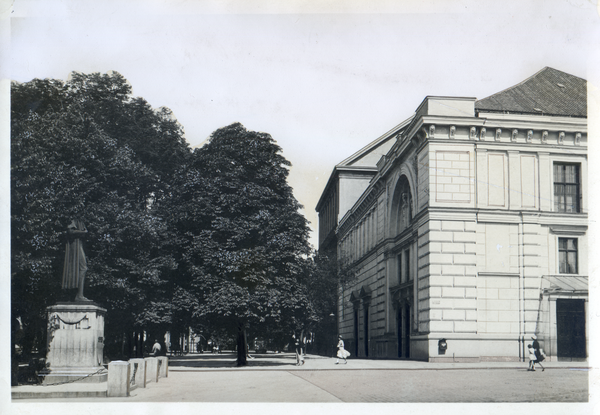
539 354
299 343
341 353
532 358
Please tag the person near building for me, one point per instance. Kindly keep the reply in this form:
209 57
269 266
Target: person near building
341 353
539 354
532 358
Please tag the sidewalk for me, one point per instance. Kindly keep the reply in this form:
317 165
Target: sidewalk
282 362
286 361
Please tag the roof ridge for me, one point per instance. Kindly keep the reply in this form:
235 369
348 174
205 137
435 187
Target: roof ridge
549 91
357 155
519 84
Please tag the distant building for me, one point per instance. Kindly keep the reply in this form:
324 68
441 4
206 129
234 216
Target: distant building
469 233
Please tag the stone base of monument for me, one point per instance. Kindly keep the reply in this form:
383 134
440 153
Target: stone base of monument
75 343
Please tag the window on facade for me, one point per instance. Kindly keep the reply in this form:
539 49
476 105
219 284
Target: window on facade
567 255
405 204
567 188
400 268
407 264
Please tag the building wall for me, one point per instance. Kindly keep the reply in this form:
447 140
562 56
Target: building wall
482 236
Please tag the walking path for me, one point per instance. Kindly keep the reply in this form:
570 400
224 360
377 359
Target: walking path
183 380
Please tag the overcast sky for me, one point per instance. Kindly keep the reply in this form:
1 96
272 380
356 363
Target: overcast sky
323 80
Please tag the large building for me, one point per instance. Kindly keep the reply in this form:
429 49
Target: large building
462 231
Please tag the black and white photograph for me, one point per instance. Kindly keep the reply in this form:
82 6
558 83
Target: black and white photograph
288 207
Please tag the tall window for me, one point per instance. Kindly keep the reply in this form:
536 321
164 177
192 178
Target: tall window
567 188
407 264
400 279
567 255
405 204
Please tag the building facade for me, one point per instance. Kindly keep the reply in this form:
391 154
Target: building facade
471 233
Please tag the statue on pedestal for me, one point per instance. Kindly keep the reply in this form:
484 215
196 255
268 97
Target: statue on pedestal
75 265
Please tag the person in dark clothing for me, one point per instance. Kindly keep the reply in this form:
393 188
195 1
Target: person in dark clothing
538 354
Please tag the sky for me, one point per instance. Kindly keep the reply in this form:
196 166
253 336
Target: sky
323 78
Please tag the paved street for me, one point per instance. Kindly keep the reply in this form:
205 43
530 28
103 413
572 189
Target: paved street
275 378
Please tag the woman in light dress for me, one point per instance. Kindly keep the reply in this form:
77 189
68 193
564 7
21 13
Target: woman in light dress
341 353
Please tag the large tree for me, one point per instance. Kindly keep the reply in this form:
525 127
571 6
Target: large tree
87 148
247 241
176 239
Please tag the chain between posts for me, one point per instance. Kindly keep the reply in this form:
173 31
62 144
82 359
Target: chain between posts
74 380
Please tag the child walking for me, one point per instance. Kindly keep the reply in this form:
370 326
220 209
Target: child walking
532 358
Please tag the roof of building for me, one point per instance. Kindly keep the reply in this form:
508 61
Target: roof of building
548 92
373 145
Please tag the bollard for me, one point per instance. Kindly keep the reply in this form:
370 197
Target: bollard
163 366
152 369
118 379
138 373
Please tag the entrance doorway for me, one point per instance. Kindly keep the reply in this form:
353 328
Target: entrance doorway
366 327
355 332
407 330
403 331
570 328
399 330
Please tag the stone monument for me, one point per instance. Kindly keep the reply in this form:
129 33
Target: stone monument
75 329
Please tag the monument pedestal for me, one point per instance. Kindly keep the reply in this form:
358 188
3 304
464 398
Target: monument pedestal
75 343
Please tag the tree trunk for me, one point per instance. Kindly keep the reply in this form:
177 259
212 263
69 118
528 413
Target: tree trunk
242 345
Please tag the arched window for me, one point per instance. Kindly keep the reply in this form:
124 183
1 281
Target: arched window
405 205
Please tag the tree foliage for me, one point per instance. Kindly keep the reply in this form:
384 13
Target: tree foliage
247 242
176 238
86 148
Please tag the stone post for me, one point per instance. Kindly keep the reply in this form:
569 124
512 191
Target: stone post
163 366
118 379
152 369
138 373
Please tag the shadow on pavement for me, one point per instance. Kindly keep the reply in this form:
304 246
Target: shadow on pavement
227 360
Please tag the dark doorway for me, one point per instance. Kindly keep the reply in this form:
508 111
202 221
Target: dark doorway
366 326
570 328
407 330
355 332
399 330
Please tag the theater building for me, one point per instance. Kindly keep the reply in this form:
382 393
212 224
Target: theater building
463 230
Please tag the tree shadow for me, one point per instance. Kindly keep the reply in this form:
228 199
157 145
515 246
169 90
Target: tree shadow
229 360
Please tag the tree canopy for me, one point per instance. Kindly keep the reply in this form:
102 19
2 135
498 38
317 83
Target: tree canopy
86 148
176 238
248 241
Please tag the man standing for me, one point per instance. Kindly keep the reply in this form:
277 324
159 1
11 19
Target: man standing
156 348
